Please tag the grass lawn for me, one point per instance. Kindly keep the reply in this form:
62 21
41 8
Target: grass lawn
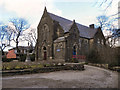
14 65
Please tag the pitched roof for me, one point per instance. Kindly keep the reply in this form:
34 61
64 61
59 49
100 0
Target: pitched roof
66 25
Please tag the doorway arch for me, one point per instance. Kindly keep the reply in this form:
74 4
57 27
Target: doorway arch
44 53
74 50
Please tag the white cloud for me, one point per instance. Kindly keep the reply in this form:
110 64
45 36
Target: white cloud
30 9
75 0
107 32
87 20
113 9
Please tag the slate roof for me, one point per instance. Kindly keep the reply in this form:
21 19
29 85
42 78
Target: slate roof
66 25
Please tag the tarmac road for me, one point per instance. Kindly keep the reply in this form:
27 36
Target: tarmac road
91 77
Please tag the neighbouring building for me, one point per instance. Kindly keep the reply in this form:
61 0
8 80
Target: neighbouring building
60 38
12 53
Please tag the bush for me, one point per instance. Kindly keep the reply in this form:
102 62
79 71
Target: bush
93 57
111 57
4 59
32 57
20 65
118 58
22 57
105 55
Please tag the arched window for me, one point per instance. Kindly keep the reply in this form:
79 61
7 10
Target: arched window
98 41
80 42
102 42
74 50
46 32
44 48
58 32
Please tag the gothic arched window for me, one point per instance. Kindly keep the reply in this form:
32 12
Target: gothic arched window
98 41
46 32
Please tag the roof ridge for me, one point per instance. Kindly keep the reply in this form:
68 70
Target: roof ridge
59 16
66 24
68 20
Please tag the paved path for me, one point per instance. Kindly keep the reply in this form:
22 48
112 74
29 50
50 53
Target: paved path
92 77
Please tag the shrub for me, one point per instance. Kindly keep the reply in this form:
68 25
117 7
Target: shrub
111 56
32 57
4 59
106 55
118 58
22 57
20 65
93 57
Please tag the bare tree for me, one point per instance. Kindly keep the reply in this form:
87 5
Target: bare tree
20 25
103 21
103 2
111 40
30 36
5 36
107 24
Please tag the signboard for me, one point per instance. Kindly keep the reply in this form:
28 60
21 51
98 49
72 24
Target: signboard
58 50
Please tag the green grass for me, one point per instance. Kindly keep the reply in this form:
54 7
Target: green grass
31 65
20 65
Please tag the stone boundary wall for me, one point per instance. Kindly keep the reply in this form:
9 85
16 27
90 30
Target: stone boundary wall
106 66
43 70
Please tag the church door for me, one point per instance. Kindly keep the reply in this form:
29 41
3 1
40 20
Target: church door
45 53
74 52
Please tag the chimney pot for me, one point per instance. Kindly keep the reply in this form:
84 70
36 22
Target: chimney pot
92 26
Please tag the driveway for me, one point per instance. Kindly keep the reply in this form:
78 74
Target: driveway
91 77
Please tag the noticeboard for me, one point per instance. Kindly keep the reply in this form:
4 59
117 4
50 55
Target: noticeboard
58 50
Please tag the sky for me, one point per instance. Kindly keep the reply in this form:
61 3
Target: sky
83 11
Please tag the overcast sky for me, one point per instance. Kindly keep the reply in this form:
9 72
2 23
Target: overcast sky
83 11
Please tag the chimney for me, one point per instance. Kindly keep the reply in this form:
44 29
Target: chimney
91 26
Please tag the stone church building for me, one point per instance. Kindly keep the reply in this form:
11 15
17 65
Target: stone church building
60 38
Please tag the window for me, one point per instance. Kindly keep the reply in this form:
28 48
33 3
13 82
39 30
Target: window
98 41
56 46
79 42
86 41
61 45
15 51
58 32
21 51
102 42
24 51
44 48
45 30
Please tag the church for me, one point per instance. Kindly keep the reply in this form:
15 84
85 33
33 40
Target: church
60 38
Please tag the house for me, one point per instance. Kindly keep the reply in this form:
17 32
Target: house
60 38
12 53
